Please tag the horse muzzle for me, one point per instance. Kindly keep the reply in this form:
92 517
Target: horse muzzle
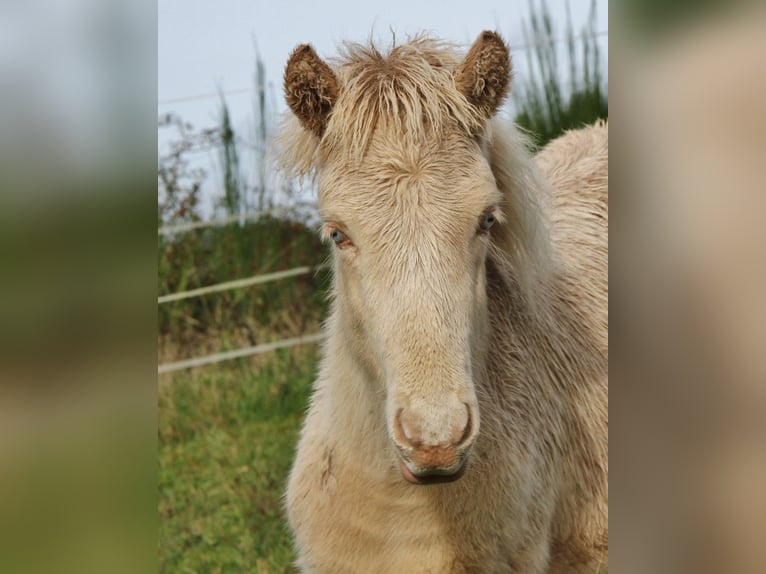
423 463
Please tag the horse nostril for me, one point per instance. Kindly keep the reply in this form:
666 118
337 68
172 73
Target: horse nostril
468 429
405 435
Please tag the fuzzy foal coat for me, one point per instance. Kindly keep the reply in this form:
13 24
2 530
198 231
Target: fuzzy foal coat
533 498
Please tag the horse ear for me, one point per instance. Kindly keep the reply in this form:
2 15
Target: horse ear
311 88
484 76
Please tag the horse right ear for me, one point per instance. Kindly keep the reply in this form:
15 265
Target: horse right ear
484 75
311 88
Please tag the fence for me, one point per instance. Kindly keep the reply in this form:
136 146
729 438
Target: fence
240 91
239 353
239 218
238 284
263 278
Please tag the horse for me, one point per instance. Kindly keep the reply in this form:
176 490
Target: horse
458 421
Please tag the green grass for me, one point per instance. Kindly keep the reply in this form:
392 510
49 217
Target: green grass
227 437
547 107
239 317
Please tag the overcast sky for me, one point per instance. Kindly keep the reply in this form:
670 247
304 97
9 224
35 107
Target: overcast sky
204 46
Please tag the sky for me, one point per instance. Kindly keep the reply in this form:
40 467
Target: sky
206 46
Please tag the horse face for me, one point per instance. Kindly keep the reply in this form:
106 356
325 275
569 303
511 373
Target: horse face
408 200
410 241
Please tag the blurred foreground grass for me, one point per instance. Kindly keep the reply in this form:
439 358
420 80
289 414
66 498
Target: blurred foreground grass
227 436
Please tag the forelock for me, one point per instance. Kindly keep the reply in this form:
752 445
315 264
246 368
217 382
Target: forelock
409 94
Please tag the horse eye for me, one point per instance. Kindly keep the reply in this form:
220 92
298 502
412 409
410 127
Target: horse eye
338 236
486 221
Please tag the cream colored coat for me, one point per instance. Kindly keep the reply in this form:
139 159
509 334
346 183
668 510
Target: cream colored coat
533 498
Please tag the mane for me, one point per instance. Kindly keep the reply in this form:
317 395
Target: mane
522 247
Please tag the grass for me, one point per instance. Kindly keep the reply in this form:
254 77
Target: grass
547 107
239 317
227 432
226 441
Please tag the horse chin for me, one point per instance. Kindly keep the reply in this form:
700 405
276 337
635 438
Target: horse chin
434 478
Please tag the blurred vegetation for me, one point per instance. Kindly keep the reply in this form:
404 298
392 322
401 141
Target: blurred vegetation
232 186
650 20
227 432
547 107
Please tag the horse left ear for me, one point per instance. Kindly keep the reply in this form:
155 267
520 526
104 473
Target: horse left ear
311 88
484 76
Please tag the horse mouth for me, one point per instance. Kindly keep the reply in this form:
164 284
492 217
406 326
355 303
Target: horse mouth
434 477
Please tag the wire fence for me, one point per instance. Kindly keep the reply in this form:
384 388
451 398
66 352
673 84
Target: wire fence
239 218
240 91
239 283
239 353
266 277
248 351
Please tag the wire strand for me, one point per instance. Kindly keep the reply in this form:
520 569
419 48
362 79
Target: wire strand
239 91
239 353
239 283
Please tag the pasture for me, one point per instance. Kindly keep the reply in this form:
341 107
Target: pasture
227 431
227 436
